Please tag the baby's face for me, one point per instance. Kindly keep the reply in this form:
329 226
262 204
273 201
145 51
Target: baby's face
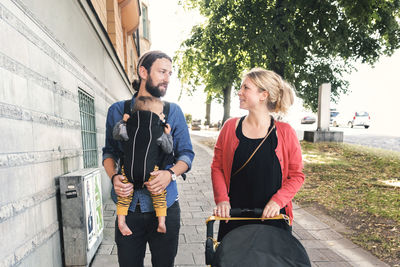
158 109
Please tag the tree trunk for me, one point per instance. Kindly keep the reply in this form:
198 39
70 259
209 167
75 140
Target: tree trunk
227 102
277 64
208 110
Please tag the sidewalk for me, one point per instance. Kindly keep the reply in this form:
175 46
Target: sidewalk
324 246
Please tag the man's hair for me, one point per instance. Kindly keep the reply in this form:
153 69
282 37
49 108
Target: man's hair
147 60
145 102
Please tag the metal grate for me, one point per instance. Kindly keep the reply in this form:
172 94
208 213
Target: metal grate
88 130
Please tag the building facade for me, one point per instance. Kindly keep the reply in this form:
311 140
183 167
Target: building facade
62 64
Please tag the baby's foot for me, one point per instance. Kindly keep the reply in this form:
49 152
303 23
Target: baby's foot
162 228
124 229
122 226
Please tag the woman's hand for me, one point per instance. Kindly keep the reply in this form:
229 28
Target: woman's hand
122 189
271 210
223 209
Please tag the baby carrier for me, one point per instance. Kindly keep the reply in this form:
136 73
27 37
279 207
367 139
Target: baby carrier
141 151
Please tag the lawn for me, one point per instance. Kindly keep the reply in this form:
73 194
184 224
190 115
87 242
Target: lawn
347 183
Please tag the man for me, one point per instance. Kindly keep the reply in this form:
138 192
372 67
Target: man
154 70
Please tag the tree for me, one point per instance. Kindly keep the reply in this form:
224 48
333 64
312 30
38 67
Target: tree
199 62
308 42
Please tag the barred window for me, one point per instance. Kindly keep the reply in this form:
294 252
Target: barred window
88 129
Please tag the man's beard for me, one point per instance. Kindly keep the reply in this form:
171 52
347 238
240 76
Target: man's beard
155 90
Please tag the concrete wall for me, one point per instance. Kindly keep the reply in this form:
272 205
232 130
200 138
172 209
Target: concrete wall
48 50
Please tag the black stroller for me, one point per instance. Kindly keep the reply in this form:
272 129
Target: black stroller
254 244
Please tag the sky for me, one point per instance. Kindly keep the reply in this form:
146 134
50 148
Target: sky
373 89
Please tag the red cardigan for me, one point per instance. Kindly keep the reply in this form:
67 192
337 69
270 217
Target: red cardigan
288 152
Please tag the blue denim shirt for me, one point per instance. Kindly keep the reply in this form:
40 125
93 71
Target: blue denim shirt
182 149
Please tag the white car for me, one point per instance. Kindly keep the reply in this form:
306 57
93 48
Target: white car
361 118
358 118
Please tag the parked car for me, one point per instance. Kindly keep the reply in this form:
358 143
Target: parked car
334 113
196 125
308 120
359 118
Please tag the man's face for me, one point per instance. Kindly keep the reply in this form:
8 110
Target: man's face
158 80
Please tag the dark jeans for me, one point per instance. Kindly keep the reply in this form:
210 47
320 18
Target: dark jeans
163 247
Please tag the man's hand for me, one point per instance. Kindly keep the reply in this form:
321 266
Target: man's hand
271 210
121 189
159 183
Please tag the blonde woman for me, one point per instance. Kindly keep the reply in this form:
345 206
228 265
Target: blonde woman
273 175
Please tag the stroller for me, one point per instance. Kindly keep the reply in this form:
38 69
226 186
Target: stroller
254 244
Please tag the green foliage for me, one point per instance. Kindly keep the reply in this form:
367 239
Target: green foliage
188 118
308 42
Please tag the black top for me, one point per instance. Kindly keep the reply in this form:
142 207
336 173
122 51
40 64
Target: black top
261 178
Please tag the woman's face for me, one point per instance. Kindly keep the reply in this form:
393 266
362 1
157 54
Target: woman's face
250 96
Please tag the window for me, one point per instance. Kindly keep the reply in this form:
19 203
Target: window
145 22
88 129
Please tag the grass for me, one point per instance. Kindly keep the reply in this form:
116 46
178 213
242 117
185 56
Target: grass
346 180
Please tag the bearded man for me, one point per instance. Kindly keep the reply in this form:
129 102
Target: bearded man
154 70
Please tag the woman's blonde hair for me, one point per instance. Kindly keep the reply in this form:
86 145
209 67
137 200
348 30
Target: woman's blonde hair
280 92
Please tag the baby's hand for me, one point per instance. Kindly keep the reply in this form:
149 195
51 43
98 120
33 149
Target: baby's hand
125 117
167 129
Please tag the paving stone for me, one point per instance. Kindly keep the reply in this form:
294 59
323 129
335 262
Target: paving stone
182 239
303 235
186 214
187 229
201 215
105 249
195 238
108 213
308 221
104 260
333 264
197 208
326 234
114 250
108 236
184 258
308 244
199 259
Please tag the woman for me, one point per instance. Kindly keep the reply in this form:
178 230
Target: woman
273 175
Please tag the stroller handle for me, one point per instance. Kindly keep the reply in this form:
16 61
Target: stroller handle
236 212
242 214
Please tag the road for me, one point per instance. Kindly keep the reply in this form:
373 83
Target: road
358 135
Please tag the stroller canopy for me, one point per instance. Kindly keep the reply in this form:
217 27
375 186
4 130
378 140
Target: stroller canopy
260 245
